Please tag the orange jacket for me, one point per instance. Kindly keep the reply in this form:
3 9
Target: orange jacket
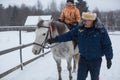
70 15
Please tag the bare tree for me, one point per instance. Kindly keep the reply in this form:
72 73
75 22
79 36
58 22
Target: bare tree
96 10
62 5
53 6
54 11
39 7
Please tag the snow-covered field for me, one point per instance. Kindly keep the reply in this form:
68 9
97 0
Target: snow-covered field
45 67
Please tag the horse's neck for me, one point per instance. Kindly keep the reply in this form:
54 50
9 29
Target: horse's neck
66 28
55 33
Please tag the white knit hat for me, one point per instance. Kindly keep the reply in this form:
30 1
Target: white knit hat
89 16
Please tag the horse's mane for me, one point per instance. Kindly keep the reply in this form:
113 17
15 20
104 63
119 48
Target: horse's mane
40 23
61 27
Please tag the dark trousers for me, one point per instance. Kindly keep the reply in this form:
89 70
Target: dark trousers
93 66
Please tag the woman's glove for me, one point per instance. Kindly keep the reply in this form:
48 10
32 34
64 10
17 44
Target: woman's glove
52 40
109 63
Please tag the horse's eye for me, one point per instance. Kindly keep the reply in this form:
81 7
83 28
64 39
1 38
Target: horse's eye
44 34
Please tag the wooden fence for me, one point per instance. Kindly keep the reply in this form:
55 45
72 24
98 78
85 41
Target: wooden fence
18 28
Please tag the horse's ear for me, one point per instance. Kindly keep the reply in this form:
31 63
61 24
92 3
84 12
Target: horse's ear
40 23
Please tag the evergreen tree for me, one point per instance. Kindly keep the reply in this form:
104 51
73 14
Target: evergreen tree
82 6
9 14
14 16
1 14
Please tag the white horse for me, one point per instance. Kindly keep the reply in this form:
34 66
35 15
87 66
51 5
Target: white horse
46 30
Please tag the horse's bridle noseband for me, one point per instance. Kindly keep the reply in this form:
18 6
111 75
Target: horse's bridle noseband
43 45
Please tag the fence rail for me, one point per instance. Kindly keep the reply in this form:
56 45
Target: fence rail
114 34
24 64
14 49
18 28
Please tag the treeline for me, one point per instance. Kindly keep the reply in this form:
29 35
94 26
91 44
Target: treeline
16 16
111 19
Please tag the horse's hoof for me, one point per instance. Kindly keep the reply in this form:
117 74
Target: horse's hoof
74 71
70 77
60 79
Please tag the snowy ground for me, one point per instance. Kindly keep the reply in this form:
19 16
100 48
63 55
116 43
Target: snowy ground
45 67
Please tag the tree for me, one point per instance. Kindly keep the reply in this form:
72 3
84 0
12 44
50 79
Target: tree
82 6
23 12
9 13
62 5
33 10
39 7
14 16
54 11
96 10
47 11
111 18
2 11
53 6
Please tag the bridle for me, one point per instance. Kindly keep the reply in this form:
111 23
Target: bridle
43 45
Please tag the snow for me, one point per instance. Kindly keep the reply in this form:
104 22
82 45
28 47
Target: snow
45 68
33 20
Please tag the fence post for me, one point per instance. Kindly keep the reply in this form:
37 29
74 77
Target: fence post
20 42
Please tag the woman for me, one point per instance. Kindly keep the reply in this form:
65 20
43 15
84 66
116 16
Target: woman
70 15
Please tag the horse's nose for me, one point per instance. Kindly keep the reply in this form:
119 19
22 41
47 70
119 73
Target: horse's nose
34 52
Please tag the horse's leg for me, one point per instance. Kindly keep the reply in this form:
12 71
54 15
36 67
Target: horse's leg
69 67
75 63
58 62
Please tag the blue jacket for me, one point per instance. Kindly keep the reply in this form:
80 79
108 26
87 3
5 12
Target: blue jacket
93 43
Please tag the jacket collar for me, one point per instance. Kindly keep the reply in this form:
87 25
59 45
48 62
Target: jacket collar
98 24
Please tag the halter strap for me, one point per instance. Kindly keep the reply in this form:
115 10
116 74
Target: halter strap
43 45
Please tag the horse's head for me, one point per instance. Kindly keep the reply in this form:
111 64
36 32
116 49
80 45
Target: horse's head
46 30
41 35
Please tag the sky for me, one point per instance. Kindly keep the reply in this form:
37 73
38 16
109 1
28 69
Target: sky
102 5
